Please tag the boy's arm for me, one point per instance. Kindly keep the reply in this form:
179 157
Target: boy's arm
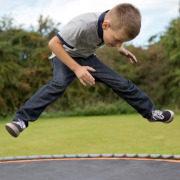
126 53
81 72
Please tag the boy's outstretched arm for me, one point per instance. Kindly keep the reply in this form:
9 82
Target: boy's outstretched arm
81 72
126 53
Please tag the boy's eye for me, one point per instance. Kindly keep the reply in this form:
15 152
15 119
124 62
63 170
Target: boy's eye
118 41
115 40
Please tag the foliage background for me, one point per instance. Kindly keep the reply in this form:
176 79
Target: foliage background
25 67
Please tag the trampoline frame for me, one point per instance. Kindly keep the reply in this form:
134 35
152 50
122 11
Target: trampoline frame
152 157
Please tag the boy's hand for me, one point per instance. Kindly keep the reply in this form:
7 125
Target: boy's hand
83 75
126 53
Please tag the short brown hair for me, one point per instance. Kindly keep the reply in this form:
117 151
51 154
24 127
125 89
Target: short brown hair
125 16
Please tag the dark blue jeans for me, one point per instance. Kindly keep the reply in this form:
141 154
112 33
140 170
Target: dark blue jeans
63 76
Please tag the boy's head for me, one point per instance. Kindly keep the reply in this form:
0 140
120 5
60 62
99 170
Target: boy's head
122 23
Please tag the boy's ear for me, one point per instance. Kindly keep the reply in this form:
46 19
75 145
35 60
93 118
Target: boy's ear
105 25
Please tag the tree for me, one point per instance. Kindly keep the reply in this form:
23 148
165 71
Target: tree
171 42
47 27
24 65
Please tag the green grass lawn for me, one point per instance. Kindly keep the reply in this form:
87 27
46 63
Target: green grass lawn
93 135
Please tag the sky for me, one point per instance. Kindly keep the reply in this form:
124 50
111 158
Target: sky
156 14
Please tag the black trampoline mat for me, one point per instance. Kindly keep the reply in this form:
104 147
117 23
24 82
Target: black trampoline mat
117 169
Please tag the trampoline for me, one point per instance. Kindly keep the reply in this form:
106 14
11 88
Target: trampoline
71 167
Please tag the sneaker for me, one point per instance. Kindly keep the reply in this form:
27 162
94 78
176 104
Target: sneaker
162 116
16 127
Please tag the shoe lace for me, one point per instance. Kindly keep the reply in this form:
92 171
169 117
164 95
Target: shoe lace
21 124
157 115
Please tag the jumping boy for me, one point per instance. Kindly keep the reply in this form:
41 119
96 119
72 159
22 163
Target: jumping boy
72 56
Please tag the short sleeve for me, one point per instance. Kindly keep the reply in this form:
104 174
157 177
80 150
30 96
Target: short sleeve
70 33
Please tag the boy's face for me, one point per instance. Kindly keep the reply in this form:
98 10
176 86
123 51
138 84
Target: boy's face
114 38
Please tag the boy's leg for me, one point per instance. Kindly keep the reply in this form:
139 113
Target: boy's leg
128 91
62 77
123 87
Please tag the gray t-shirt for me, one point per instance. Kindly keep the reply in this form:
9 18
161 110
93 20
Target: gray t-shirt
82 35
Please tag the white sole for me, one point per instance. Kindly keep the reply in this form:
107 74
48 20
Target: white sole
171 118
12 129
